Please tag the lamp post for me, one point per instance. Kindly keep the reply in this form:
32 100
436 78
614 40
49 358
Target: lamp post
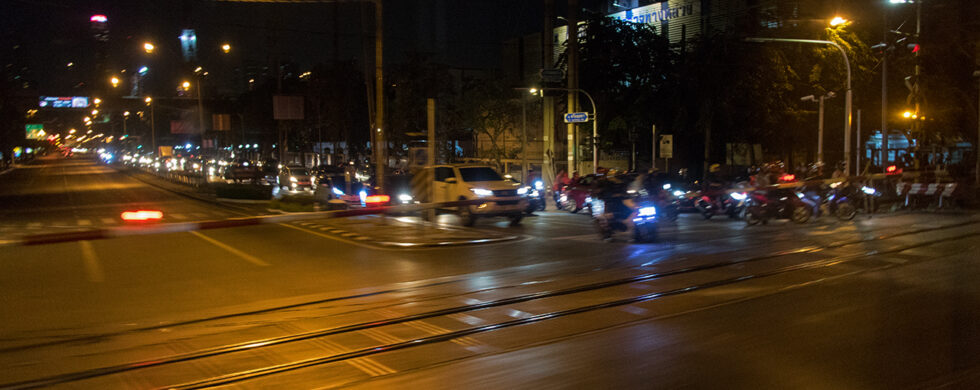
847 95
153 129
976 146
820 100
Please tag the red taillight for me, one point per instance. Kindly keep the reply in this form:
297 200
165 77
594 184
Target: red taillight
142 215
891 169
787 177
377 199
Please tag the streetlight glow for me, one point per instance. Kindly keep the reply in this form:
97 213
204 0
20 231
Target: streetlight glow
148 47
126 113
226 48
837 21
148 100
95 112
186 85
97 101
907 114
115 81
532 91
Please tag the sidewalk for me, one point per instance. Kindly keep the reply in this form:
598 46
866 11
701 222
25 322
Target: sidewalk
403 232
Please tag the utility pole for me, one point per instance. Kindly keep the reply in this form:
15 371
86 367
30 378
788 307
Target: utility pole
572 99
548 102
884 98
382 161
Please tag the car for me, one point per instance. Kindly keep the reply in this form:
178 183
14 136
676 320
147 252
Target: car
295 178
578 194
336 185
454 182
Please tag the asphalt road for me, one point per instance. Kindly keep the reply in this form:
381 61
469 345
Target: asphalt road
883 302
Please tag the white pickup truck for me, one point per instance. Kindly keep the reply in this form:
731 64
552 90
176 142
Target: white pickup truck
453 182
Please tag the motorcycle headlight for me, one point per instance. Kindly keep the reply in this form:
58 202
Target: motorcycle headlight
738 196
538 185
405 198
799 195
588 199
336 191
678 193
648 211
667 186
481 192
535 193
521 191
868 190
292 178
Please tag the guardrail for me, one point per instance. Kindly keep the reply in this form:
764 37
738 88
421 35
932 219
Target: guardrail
160 228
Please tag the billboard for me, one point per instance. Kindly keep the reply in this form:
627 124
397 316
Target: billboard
63 102
35 131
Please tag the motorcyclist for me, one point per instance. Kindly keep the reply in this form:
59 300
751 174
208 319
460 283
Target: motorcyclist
612 191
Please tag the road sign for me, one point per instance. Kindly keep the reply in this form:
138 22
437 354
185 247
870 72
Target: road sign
552 75
667 146
576 117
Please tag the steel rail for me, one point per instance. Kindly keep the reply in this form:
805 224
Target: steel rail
271 370
255 344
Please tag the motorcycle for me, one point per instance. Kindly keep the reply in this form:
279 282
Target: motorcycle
777 204
612 215
535 197
731 204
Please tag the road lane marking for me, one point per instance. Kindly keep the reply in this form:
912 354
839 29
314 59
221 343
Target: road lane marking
108 221
84 222
335 238
381 336
34 225
92 267
436 330
367 365
236 252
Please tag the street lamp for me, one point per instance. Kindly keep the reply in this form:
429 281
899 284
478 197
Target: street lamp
97 101
837 21
114 81
595 120
226 48
148 47
153 130
847 95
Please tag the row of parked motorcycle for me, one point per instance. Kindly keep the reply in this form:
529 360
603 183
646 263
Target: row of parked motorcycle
642 200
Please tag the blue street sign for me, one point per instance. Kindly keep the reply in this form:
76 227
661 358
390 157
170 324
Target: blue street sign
576 117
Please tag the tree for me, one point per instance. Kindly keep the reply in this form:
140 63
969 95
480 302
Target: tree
630 70
490 109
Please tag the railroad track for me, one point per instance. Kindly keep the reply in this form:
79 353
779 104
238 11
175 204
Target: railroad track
182 369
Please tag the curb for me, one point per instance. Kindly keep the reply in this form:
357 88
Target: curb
214 201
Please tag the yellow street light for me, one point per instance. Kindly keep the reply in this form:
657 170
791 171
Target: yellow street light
148 100
186 85
226 48
71 131
95 112
126 113
97 101
115 81
148 47
837 21
198 69
907 114
532 91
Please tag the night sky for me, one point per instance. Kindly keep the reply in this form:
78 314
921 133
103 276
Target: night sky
45 35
